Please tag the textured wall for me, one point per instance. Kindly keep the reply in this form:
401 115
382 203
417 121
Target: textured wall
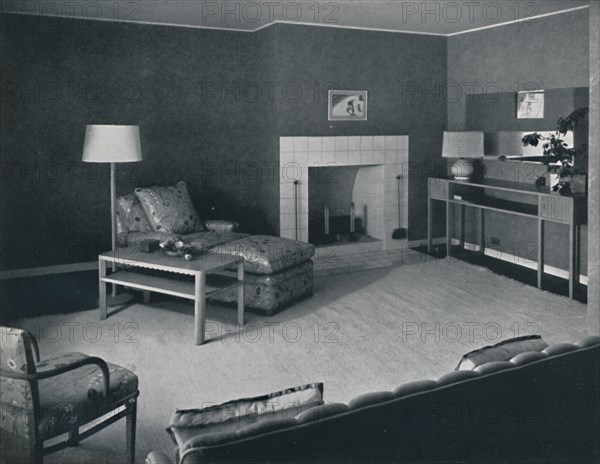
545 53
211 106
59 75
489 66
594 173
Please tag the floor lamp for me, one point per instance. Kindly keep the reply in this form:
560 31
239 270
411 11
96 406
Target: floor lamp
113 144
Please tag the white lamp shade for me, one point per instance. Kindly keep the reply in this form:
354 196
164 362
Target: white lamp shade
112 144
463 144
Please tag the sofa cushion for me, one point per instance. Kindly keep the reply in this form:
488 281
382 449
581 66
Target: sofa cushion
502 351
219 422
131 216
321 412
414 387
170 209
266 254
368 399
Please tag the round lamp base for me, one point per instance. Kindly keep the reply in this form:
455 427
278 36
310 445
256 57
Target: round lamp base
462 169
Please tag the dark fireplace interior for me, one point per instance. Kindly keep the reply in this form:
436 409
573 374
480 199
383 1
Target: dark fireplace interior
330 188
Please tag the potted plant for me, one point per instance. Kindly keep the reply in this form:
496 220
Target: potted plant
555 150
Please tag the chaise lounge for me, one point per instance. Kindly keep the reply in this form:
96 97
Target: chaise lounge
279 271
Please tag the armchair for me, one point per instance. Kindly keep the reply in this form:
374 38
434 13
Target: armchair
42 400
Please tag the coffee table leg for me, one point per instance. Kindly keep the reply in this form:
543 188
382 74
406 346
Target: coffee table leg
240 295
199 308
102 288
146 294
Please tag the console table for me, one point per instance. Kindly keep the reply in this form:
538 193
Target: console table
204 269
485 195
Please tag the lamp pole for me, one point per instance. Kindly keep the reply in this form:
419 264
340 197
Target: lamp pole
113 218
106 143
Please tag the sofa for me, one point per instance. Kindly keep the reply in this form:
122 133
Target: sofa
539 406
278 271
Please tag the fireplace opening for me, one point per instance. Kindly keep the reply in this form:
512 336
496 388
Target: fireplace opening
342 206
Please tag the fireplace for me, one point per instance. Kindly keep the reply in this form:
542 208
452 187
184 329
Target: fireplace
343 204
331 185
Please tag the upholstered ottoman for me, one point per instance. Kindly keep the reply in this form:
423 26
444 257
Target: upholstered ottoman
278 271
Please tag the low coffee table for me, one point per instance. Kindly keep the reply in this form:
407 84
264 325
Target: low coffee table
203 268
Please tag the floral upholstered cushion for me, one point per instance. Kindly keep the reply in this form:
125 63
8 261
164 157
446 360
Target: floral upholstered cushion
271 293
204 241
170 209
75 397
131 217
15 395
266 254
218 225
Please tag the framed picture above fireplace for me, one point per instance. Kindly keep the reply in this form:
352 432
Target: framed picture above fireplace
347 105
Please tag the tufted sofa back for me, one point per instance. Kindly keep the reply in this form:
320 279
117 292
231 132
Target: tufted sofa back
537 407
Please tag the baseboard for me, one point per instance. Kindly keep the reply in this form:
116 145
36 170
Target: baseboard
504 256
48 270
519 260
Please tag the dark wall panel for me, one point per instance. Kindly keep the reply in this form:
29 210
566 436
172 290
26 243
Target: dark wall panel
59 75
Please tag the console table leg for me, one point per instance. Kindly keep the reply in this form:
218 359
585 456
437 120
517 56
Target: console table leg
448 240
577 251
571 260
540 257
482 231
199 308
240 293
146 294
102 289
429 225
461 235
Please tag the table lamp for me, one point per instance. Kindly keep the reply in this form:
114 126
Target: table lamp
112 144
465 146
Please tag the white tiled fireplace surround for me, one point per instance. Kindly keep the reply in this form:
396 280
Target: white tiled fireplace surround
390 152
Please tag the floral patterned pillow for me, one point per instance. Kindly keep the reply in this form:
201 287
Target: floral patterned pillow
131 217
170 209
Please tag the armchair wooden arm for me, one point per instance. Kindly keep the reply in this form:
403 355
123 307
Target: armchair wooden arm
62 369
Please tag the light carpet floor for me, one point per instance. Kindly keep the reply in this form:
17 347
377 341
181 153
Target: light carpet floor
360 332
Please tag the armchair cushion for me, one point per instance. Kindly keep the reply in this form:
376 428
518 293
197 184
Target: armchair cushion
266 254
75 397
170 209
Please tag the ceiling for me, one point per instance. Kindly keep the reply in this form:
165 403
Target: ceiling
420 17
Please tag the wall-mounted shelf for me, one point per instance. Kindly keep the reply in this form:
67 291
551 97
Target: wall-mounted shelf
524 200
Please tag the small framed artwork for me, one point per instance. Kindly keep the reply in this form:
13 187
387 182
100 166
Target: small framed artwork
347 105
530 104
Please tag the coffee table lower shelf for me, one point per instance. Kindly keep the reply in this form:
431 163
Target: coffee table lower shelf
168 286
202 282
